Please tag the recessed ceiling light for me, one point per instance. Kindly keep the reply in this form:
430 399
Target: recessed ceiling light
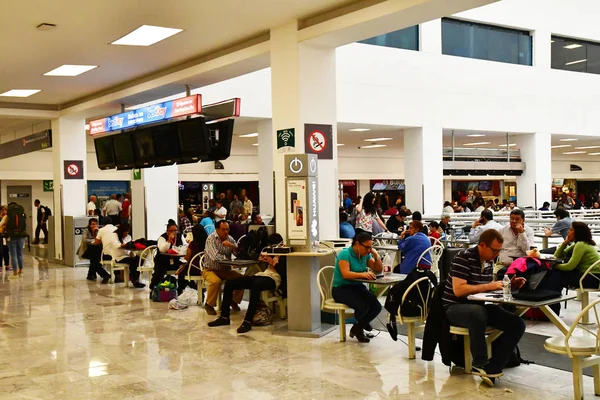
510 144
476 135
593 154
70 70
381 139
340 144
572 46
372 146
359 129
575 152
254 144
587 147
255 134
576 62
20 92
558 146
476 143
567 140
146 35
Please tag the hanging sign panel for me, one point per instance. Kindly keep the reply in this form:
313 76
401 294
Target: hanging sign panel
318 140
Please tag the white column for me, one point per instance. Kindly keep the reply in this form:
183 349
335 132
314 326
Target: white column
430 37
423 162
70 198
304 91
154 200
534 186
542 49
266 148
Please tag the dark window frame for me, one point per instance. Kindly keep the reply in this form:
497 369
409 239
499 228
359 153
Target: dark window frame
583 67
417 39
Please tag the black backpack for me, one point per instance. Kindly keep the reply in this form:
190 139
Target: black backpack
252 244
48 212
16 223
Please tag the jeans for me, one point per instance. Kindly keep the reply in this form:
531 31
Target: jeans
15 246
476 317
133 262
5 253
41 226
94 253
256 284
365 304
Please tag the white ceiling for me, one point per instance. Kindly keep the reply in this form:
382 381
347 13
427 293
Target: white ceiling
85 29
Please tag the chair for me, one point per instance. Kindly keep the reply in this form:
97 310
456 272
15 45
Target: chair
325 282
412 322
435 253
116 266
200 282
147 261
271 297
582 350
585 292
240 239
491 334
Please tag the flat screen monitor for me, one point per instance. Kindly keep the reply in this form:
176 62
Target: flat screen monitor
485 186
220 135
124 154
166 143
105 153
193 140
143 147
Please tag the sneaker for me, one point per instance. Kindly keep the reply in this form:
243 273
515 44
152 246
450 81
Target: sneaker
235 306
210 310
244 327
105 280
138 284
89 278
489 378
219 322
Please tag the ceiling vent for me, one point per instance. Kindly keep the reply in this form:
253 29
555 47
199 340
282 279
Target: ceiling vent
45 27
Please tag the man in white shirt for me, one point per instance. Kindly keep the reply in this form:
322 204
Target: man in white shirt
448 208
112 209
482 224
91 206
478 205
518 238
220 212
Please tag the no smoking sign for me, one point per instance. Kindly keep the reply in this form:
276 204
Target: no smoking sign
318 140
73 169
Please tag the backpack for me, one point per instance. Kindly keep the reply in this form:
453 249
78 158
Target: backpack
412 303
16 222
253 243
48 212
263 316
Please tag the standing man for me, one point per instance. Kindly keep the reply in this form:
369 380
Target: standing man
91 206
235 207
347 201
42 218
220 212
126 205
112 209
517 237
247 203
3 247
471 272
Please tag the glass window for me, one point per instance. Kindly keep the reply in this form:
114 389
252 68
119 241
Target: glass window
486 42
407 38
575 55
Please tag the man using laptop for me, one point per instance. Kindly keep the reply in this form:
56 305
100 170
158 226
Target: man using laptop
471 273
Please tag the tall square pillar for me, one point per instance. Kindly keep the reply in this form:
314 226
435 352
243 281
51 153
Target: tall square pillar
266 147
534 186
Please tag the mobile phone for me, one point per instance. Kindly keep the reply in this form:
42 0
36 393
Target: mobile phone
294 199
299 216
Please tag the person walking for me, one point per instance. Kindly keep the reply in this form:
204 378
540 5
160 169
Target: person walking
42 218
3 247
16 231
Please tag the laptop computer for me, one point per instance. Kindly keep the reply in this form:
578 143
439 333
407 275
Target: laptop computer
530 291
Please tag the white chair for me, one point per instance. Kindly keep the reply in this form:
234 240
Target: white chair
435 252
116 266
325 282
417 323
200 282
491 333
585 292
273 299
582 350
147 261
240 239
436 242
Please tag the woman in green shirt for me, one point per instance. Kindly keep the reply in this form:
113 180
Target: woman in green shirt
580 250
351 264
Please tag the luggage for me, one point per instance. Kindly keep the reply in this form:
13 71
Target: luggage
16 223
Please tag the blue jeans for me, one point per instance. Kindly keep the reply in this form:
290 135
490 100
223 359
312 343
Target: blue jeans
15 247
365 304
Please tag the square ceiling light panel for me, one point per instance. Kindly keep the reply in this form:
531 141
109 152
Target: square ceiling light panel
70 70
20 92
146 35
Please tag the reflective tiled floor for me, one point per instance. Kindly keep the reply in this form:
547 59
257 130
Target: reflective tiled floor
64 338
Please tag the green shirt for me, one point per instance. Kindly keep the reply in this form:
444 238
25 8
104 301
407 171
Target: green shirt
356 265
583 255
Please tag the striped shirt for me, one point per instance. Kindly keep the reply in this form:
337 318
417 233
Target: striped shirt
467 265
215 252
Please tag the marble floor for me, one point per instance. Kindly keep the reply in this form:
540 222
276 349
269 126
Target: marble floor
62 337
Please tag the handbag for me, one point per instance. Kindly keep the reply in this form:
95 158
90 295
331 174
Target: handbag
165 291
263 316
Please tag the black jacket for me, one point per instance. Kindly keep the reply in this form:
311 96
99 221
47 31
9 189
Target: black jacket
437 330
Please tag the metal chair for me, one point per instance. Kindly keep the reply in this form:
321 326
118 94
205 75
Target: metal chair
116 266
585 292
584 351
325 282
200 282
435 254
147 261
417 323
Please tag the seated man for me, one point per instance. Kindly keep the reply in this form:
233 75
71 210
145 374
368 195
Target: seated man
413 246
518 238
269 279
562 226
471 273
482 224
445 222
346 230
395 223
219 247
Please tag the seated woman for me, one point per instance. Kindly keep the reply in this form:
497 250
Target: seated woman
88 249
581 252
269 279
118 251
351 264
196 246
162 261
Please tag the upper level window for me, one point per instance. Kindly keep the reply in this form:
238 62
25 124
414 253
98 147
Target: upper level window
575 55
407 38
486 42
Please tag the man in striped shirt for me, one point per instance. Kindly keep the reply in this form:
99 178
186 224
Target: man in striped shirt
471 273
219 247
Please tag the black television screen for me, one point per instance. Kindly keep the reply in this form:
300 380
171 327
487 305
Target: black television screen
166 143
193 140
220 135
143 147
104 152
124 155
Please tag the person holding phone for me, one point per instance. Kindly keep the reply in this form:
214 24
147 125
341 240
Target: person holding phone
352 263
485 222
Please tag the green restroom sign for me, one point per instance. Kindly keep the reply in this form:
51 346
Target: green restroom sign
48 186
286 138
137 174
